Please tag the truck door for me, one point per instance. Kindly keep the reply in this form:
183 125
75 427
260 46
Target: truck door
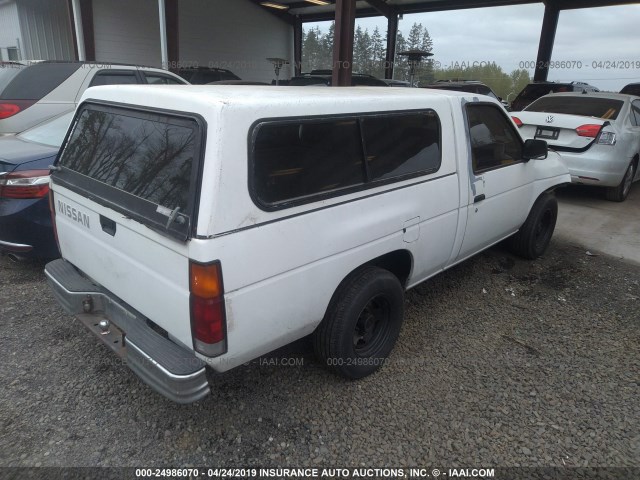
501 182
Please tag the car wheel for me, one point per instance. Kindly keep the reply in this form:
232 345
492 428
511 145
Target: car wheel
621 192
533 238
362 323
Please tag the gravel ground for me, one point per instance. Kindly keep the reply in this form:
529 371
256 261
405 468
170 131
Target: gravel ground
501 362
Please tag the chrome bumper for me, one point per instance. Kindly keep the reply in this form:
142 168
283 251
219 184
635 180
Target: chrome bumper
168 368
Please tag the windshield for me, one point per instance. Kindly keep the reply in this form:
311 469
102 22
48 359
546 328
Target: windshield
35 81
583 105
632 89
49 133
533 91
7 72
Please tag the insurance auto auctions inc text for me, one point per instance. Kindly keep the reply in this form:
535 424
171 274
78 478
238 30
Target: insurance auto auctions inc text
376 473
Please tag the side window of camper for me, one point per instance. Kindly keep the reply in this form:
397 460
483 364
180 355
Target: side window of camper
296 160
303 160
400 145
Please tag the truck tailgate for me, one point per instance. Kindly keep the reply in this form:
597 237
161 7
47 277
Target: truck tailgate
124 190
115 252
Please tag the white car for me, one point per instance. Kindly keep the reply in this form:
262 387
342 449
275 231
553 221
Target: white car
597 135
33 93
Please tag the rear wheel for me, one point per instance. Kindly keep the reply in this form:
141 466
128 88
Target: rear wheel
621 192
362 323
534 236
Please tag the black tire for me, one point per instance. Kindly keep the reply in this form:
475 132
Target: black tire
534 236
621 192
362 323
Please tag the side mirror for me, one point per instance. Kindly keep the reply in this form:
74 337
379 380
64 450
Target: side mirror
535 150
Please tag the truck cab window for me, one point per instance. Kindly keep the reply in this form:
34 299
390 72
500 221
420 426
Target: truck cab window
494 143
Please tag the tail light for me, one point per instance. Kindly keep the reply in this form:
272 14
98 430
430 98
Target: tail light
607 138
588 130
208 318
517 121
25 184
9 109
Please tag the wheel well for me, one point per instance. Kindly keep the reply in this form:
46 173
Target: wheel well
398 262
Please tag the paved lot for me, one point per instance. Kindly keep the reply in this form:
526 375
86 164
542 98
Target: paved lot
585 218
501 362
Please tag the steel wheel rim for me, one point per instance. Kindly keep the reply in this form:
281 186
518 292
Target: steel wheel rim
372 326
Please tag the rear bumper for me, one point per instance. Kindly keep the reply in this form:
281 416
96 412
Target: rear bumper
168 368
25 228
15 247
597 166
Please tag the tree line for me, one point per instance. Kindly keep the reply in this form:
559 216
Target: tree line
369 56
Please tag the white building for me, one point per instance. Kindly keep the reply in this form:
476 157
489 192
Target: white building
234 34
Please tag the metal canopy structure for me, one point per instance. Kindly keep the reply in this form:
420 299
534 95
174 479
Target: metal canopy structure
344 13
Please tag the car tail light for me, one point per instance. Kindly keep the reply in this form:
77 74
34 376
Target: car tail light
588 130
25 184
607 138
517 121
208 318
9 109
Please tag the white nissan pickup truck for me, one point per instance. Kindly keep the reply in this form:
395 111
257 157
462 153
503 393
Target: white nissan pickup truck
204 226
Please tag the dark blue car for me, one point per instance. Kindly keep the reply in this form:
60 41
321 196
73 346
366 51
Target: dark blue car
25 220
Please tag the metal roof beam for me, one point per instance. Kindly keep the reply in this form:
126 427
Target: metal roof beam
328 16
392 35
383 7
281 14
547 39
573 4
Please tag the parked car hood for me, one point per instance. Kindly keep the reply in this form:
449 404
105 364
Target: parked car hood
14 151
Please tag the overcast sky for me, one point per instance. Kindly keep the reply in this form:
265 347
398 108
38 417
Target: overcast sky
510 35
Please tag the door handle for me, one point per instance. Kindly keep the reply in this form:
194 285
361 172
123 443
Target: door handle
479 198
108 226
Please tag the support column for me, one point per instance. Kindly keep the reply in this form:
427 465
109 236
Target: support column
173 33
297 46
343 42
162 16
392 35
547 38
79 32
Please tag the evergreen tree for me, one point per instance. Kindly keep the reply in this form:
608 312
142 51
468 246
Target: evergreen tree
311 51
418 39
327 47
426 73
414 41
401 70
362 48
378 54
519 79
